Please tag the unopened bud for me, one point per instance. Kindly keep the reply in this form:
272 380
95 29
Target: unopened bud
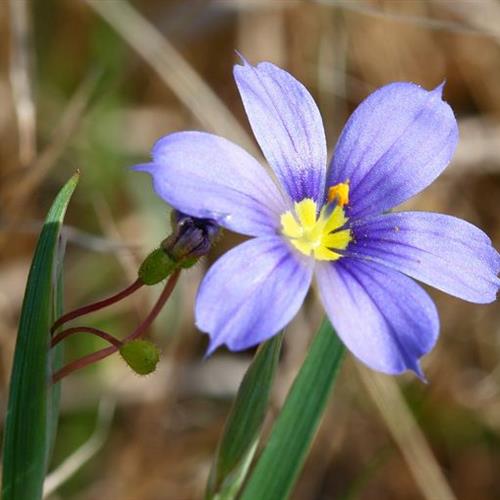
156 267
141 355
191 238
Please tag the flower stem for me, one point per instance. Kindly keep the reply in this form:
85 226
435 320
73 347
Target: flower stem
162 299
86 329
83 362
137 333
97 305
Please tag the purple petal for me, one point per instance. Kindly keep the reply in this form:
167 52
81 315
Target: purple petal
398 140
442 251
209 177
288 127
251 293
384 318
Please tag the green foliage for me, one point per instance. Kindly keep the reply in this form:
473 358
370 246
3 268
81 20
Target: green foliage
32 409
292 433
141 355
242 430
55 354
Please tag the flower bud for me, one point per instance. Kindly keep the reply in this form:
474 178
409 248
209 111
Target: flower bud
141 355
190 240
156 267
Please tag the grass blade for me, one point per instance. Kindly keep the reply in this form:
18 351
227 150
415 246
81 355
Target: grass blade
56 353
292 433
242 430
26 440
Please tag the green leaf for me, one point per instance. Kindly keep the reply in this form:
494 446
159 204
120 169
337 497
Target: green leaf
56 354
242 429
28 426
277 468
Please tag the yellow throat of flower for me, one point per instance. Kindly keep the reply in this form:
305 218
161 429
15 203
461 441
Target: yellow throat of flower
319 235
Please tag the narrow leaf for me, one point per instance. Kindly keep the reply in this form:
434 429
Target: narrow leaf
56 353
277 468
26 443
242 430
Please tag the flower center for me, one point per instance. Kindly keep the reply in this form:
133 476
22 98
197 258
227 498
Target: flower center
319 235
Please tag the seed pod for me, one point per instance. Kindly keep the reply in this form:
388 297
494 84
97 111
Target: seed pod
141 355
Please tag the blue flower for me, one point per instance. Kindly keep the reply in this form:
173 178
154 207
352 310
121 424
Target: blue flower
328 222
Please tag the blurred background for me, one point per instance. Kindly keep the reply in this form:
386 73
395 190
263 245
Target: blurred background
91 84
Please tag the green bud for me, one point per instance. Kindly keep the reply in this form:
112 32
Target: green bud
141 355
187 263
156 267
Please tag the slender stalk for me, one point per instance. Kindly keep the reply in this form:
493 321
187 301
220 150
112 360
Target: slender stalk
162 299
97 305
137 333
86 329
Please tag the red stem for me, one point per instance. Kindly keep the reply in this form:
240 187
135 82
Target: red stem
138 332
97 305
85 329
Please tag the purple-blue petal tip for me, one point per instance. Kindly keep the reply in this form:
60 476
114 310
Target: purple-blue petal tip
143 167
417 369
439 89
244 60
213 345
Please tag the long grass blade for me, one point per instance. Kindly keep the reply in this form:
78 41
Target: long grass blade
27 438
279 465
242 430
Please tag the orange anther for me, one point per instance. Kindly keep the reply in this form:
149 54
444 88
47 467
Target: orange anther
340 193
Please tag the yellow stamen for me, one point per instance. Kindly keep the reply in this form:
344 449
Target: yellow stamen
306 212
293 228
314 234
340 193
